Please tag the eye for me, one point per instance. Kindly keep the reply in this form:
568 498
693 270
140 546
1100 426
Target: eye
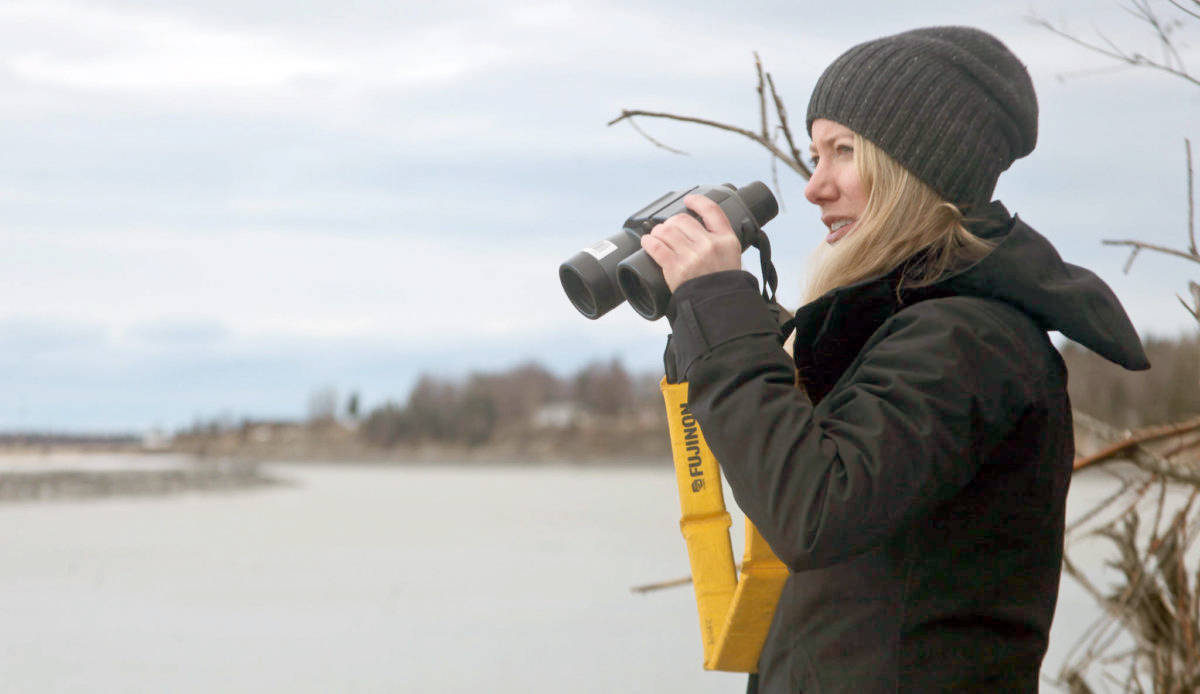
814 160
845 149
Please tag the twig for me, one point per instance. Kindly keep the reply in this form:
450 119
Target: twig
1158 508
775 182
1186 445
653 141
651 587
673 583
1096 509
1146 14
1129 261
792 163
781 112
1184 9
1187 145
1194 311
1140 245
762 96
1113 52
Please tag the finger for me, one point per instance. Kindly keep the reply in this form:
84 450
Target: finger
687 226
662 234
660 252
710 213
684 235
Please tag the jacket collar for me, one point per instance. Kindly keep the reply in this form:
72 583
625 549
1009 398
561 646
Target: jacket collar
1023 270
831 330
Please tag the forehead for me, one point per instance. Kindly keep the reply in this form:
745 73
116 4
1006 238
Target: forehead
825 131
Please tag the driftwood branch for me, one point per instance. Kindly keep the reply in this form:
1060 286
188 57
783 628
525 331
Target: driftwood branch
1131 446
1136 439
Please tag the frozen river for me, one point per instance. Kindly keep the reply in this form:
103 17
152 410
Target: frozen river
368 579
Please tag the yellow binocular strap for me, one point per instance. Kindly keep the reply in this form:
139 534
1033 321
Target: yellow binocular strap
735 610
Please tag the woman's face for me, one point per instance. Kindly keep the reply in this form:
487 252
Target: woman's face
835 186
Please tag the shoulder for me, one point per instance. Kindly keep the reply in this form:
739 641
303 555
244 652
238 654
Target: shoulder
984 340
969 319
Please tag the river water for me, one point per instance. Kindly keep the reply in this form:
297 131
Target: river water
370 579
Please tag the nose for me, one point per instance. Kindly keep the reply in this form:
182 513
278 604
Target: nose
820 188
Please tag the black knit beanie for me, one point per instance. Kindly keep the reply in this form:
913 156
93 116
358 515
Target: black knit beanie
952 104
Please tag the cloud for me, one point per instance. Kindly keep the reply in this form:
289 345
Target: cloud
149 51
25 337
254 197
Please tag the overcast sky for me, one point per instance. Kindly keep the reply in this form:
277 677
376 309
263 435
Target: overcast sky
218 206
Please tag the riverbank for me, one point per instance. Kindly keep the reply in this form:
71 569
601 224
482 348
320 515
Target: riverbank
632 440
75 474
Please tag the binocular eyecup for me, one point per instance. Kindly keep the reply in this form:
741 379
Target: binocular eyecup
601 276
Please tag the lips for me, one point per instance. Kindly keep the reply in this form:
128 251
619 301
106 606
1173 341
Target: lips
838 227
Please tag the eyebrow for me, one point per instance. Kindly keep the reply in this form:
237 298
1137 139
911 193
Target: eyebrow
812 146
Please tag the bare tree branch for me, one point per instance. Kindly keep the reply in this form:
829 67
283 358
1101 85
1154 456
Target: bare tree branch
1140 245
781 113
792 158
783 156
1194 311
1115 52
775 182
1186 10
1129 262
1187 145
1146 14
653 141
762 97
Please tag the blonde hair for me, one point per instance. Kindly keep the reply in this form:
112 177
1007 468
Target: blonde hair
904 222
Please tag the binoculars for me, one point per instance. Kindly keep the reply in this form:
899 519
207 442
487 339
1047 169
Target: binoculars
601 276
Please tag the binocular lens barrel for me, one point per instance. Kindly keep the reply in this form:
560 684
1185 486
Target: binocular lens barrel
589 276
641 281
598 278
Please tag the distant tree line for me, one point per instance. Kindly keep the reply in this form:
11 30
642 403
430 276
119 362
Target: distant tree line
1168 392
473 410
16 439
530 403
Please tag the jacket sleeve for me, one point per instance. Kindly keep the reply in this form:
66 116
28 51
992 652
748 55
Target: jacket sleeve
905 427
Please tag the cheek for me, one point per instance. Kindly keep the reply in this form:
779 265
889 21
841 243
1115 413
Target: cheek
855 191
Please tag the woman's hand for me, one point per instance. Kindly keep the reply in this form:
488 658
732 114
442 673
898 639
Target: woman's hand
686 249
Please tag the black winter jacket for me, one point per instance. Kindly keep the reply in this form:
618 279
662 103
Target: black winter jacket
916 485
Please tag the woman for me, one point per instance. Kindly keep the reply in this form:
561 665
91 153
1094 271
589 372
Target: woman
915 480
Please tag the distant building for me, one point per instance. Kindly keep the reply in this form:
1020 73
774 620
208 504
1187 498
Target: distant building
557 415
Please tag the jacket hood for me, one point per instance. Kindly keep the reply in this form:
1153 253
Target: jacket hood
1025 271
